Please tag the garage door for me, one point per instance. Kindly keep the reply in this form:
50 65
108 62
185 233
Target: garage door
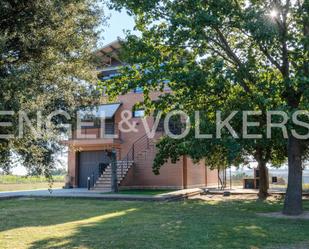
89 164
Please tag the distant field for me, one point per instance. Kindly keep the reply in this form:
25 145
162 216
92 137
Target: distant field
11 183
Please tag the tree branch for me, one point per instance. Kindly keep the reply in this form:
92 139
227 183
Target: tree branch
270 58
228 49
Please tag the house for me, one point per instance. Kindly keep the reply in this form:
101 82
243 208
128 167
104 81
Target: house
90 151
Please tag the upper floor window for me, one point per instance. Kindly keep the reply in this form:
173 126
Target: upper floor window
138 113
138 90
109 76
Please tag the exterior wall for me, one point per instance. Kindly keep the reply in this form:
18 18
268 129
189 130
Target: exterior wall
183 174
141 175
212 178
72 168
128 102
196 174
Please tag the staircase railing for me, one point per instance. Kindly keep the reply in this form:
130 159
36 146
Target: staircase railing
126 162
141 143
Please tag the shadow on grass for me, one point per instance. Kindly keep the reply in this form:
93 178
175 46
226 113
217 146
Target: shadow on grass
32 212
191 224
114 224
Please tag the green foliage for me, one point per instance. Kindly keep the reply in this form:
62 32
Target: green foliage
45 59
220 55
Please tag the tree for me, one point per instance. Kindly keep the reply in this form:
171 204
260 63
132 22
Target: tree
45 59
227 150
260 48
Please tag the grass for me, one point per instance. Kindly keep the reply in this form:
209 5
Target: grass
28 186
151 192
27 179
90 224
14 183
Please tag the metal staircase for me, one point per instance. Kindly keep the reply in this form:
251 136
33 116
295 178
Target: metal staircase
105 180
142 149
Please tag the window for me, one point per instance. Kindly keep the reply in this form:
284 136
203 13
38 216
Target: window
109 76
138 113
138 90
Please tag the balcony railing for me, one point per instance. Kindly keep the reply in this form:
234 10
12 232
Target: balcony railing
111 131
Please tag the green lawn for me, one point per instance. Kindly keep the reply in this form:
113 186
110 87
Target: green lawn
14 183
72 223
28 186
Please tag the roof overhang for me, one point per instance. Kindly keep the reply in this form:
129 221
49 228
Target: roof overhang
109 51
106 111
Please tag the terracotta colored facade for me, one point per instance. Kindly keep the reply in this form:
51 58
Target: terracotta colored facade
183 174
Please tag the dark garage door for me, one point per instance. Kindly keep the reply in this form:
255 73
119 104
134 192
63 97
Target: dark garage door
89 162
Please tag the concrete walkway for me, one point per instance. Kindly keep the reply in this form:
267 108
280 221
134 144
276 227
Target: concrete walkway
84 193
54 192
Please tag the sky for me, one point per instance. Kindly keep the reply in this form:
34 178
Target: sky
117 23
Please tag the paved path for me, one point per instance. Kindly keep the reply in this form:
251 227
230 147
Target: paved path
84 193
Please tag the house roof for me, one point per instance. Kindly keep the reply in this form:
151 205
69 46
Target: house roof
109 52
107 111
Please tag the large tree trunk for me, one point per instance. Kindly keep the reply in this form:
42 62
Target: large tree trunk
293 197
264 181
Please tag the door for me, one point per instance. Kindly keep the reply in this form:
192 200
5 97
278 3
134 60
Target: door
89 166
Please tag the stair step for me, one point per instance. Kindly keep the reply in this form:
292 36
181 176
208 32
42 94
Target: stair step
119 167
119 172
110 173
104 182
104 185
103 189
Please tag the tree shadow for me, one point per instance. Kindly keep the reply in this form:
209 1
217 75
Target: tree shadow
188 224
34 212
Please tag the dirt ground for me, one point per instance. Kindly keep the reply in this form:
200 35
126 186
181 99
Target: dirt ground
219 197
244 197
303 216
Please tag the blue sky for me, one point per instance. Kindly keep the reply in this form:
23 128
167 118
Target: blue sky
116 25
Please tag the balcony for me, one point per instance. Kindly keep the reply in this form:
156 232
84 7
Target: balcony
94 136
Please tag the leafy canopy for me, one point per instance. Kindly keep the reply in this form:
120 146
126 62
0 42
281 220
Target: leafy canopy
45 59
220 55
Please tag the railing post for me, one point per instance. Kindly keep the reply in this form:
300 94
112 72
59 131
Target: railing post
88 182
133 152
121 170
92 179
